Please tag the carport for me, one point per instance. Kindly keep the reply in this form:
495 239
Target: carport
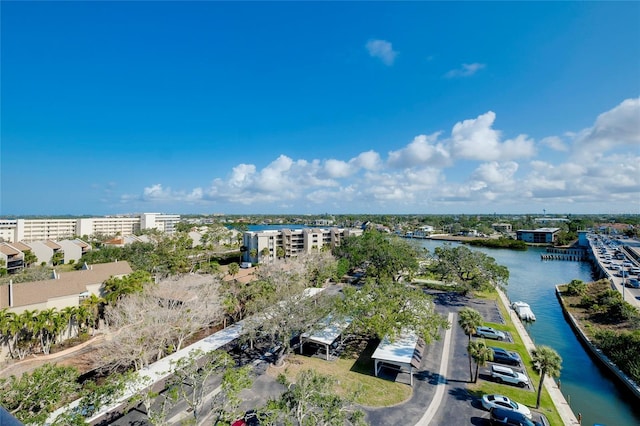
326 333
404 354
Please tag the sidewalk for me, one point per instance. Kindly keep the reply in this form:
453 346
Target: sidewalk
567 415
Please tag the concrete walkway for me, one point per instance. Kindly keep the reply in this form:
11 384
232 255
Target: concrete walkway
567 415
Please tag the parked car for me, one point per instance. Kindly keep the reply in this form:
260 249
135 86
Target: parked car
502 356
508 375
490 333
633 282
500 416
500 401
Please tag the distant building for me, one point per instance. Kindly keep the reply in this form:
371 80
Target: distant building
59 229
502 227
540 235
292 241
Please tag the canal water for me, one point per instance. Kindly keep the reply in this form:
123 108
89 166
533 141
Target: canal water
589 388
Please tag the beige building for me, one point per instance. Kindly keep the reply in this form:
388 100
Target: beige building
12 258
44 250
66 289
292 241
73 249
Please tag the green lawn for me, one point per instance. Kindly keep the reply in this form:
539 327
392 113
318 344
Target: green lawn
354 376
526 397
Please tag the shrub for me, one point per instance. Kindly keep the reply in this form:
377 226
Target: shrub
576 288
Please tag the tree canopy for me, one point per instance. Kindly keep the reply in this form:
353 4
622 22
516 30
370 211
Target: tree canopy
387 309
382 256
470 269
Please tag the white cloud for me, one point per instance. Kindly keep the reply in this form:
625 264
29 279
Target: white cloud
423 150
338 169
466 70
474 167
475 139
382 50
555 143
156 192
618 127
369 160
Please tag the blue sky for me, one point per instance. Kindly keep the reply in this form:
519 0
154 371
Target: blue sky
302 107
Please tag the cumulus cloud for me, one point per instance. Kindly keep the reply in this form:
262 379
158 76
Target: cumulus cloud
475 165
423 150
618 127
382 50
465 70
555 143
369 160
475 139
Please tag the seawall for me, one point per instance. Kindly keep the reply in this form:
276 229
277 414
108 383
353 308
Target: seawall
600 356
564 410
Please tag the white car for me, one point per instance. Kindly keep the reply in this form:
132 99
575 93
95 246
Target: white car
490 333
501 401
508 375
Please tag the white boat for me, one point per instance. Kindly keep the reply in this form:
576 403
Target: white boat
524 311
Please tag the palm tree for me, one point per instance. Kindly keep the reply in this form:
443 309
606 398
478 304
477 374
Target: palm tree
481 354
83 314
547 361
69 314
5 329
93 304
24 326
234 268
469 320
47 326
280 252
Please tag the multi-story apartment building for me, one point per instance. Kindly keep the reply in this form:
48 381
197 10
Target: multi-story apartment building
110 225
44 229
58 229
7 229
264 245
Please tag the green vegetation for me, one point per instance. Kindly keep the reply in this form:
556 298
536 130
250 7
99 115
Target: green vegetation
354 376
506 243
381 256
611 323
310 401
521 395
468 269
547 362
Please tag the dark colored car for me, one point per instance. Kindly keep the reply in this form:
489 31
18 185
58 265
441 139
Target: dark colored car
502 417
502 356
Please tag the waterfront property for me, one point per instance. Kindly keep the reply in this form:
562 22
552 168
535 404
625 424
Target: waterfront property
539 235
265 245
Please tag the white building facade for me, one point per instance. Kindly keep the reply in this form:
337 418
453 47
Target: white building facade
59 229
